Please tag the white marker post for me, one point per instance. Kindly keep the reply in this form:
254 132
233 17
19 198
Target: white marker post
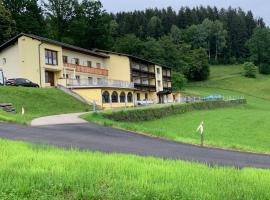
201 130
22 110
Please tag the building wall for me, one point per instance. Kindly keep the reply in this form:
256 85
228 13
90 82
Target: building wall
83 58
159 78
152 96
32 58
95 94
119 68
90 95
11 67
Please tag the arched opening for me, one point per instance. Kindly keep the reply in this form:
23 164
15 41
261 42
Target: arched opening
122 97
129 97
106 97
114 97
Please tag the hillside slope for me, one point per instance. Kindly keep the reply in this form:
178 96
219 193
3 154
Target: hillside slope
38 102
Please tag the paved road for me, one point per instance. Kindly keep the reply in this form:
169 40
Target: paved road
71 118
95 137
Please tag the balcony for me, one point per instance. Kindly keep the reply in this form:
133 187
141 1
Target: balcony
86 83
84 69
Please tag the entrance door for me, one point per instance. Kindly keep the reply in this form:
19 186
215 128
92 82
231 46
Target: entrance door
49 77
161 98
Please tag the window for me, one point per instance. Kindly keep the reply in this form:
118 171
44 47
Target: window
122 97
89 64
146 96
76 61
106 97
78 79
4 61
99 81
129 97
46 77
50 57
114 97
158 71
90 80
159 84
138 97
65 76
65 59
98 65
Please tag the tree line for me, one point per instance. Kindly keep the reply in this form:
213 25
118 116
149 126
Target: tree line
185 40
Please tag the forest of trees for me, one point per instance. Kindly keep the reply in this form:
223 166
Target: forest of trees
185 40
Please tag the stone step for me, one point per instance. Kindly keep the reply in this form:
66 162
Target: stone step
7 107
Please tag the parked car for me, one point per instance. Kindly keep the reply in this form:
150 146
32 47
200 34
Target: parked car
21 82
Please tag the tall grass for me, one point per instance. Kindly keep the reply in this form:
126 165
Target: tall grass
40 172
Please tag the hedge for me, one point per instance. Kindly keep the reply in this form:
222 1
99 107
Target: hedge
147 114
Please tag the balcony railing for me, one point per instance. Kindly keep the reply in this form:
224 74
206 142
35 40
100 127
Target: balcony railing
85 69
99 83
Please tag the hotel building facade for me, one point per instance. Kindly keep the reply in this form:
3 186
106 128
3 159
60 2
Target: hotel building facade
105 78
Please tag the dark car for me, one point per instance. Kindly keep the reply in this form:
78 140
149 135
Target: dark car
21 82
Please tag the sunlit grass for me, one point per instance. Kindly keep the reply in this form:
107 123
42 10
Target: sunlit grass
40 172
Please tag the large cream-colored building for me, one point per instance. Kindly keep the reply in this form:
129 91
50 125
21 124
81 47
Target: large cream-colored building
107 78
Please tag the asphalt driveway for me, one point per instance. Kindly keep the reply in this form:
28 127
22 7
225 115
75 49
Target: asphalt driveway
106 139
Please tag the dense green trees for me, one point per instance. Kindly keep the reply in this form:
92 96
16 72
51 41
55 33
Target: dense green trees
228 29
27 14
7 24
259 47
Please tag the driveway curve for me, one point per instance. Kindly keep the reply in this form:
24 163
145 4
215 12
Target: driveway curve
106 139
71 118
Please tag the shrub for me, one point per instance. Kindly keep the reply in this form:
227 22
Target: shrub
147 114
264 68
178 81
250 69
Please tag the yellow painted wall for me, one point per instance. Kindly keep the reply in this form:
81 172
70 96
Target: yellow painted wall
152 96
12 67
159 78
90 95
32 68
119 68
95 94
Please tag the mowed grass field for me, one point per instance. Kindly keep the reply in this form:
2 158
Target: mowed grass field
37 102
30 171
243 127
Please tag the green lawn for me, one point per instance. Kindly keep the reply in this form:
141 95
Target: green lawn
39 172
38 102
243 127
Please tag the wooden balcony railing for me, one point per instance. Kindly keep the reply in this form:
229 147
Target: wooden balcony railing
84 69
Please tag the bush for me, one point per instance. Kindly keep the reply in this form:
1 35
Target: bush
264 68
147 114
178 81
250 69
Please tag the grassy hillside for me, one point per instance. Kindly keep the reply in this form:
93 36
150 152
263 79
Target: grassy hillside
244 127
39 172
38 102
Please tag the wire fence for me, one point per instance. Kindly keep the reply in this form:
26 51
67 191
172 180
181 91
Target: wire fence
193 99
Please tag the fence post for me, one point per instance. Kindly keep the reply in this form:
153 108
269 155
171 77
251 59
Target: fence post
202 138
94 106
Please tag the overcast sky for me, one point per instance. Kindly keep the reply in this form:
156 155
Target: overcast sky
260 8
